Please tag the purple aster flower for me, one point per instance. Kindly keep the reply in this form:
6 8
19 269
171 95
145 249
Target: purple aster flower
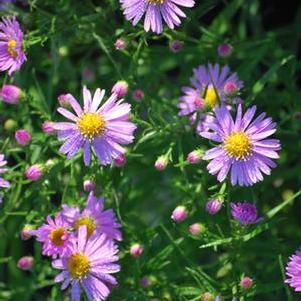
102 129
89 265
208 83
293 271
245 213
94 217
244 150
55 236
155 11
3 162
12 56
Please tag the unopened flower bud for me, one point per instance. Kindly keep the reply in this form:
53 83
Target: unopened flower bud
25 263
195 156
136 250
246 282
176 46
138 95
120 88
10 94
120 44
213 206
89 185
224 50
179 214
22 136
161 163
34 172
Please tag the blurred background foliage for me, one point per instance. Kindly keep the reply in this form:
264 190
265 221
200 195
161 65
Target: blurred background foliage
65 39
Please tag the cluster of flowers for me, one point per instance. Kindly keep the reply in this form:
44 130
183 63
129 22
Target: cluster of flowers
82 245
84 240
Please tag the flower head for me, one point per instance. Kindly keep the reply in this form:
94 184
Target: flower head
10 94
94 217
89 265
120 88
3 162
102 129
246 282
155 11
34 172
213 206
243 149
245 213
179 214
224 50
293 271
136 250
23 137
12 56
25 263
55 236
120 44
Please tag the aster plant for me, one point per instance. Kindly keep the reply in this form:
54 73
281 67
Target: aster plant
103 128
155 11
243 149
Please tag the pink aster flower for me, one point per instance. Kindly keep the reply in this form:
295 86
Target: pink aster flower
103 129
3 162
89 265
12 56
243 149
207 91
155 11
55 236
94 217
293 271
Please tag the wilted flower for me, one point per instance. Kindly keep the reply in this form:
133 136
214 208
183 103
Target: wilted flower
10 94
120 88
175 46
89 185
245 213
3 162
89 265
34 172
155 11
224 50
94 217
120 44
213 206
12 56
246 282
243 148
22 136
102 129
25 263
179 214
55 236
136 250
138 95
293 271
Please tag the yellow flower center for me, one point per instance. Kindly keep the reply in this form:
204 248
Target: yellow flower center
11 49
238 145
56 236
88 221
210 97
78 265
91 125
155 1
